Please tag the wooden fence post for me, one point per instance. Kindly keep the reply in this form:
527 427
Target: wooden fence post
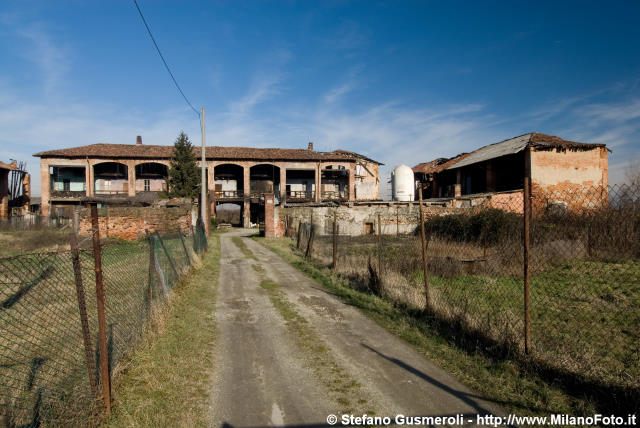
526 253
102 322
82 309
425 262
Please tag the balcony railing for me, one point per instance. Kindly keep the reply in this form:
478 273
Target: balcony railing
228 194
301 196
111 192
331 195
68 193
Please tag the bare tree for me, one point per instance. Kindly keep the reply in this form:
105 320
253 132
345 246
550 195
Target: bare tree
632 174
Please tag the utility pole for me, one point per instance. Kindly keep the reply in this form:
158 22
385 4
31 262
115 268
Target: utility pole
203 184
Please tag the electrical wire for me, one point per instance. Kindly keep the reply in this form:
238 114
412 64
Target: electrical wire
164 61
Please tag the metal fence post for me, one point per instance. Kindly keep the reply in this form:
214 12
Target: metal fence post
82 309
526 253
312 233
379 246
152 265
184 247
335 241
166 252
102 322
423 238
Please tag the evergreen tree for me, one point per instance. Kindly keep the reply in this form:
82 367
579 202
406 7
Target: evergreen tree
184 177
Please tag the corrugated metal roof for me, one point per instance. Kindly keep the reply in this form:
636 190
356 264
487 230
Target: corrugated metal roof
492 151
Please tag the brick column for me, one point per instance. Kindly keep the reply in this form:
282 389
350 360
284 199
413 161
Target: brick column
211 182
131 174
269 223
247 193
45 189
246 182
352 185
88 177
283 184
457 192
318 182
246 213
26 188
4 193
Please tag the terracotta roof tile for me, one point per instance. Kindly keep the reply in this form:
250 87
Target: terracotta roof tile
145 151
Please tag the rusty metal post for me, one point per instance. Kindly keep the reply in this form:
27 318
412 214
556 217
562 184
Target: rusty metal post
335 241
312 233
184 247
527 249
82 309
425 264
102 322
379 246
152 265
166 252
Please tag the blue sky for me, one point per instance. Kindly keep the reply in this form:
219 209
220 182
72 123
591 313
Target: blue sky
401 82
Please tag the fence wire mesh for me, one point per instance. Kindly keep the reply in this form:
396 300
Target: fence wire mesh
584 263
45 368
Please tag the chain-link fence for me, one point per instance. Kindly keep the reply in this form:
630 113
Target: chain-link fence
50 362
583 275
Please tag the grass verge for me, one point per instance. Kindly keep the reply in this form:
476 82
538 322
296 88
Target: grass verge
513 386
167 381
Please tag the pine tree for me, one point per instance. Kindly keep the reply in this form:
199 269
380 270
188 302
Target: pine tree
184 177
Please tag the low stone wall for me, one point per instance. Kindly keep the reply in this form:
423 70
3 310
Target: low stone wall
130 223
395 218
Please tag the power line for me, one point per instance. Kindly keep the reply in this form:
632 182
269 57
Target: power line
163 60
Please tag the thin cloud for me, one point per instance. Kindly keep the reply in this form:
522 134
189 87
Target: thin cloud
49 57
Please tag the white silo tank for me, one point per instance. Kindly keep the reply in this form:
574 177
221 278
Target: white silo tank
403 184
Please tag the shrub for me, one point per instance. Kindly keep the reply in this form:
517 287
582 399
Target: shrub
490 226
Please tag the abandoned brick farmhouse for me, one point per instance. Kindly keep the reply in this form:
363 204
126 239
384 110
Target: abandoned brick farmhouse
497 171
236 175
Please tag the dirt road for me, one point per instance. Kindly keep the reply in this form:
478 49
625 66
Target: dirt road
289 353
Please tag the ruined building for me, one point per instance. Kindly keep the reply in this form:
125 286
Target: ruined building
557 166
15 189
235 175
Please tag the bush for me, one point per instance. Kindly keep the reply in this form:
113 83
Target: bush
490 226
214 222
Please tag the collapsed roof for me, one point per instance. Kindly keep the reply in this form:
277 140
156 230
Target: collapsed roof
506 147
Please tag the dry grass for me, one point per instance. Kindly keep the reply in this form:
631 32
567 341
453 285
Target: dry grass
43 372
578 304
515 388
25 241
166 381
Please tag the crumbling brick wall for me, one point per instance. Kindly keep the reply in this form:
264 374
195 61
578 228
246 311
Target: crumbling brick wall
130 223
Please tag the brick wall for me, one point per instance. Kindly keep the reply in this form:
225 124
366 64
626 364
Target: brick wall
4 193
130 223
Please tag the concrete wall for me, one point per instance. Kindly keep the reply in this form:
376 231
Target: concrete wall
130 223
367 188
